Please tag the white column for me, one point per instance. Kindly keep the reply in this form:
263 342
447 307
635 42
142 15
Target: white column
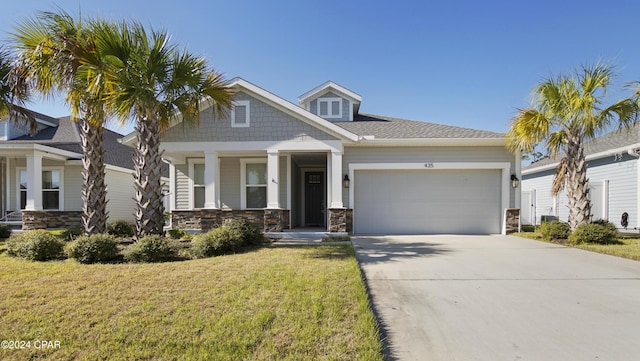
211 184
172 187
273 187
336 179
34 182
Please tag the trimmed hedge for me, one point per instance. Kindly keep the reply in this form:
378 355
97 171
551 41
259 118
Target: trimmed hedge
121 229
249 232
38 245
601 232
554 230
97 248
219 241
152 248
177 233
5 231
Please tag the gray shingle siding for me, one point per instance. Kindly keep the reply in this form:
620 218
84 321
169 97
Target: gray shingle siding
266 124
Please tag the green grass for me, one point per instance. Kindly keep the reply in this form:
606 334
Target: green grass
628 245
274 303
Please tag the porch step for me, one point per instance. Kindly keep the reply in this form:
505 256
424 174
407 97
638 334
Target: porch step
304 235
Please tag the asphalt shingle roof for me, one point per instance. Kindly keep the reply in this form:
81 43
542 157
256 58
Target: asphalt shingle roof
382 127
616 139
66 136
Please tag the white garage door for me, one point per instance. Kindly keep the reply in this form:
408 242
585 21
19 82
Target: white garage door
427 201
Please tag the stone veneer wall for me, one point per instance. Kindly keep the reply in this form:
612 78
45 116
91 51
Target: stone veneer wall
207 219
340 220
51 219
513 220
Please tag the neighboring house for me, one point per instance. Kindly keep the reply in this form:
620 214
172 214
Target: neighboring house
614 181
324 164
40 174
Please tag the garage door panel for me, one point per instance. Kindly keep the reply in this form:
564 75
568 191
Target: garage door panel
427 201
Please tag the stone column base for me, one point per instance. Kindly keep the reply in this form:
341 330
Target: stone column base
274 220
340 220
512 220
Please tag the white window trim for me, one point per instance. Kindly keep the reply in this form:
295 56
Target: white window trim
60 191
329 101
243 180
192 184
246 104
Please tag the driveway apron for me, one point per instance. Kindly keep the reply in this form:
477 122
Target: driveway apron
500 298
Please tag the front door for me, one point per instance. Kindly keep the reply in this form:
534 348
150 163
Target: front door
314 199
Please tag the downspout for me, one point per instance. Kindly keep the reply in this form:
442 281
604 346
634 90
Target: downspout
635 152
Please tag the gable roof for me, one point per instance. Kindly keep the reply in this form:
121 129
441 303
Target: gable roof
602 146
66 136
327 87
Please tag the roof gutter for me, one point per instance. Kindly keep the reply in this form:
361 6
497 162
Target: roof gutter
466 142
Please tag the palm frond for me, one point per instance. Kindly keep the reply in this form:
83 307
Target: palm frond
560 177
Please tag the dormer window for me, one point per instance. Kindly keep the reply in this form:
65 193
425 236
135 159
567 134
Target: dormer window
330 107
240 114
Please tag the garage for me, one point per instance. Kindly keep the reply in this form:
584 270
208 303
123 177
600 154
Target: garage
431 201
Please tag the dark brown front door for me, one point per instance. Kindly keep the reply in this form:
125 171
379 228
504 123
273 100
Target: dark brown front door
314 199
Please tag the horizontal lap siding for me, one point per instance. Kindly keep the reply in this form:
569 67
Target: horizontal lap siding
230 182
121 196
73 186
182 186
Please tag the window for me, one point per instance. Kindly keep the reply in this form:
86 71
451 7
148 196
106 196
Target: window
198 185
254 183
51 186
240 114
330 107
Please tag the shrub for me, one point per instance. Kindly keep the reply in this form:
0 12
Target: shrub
72 233
121 229
38 245
602 232
554 230
177 233
216 242
5 231
96 248
152 248
249 232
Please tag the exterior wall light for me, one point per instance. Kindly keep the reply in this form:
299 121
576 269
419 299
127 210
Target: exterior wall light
346 182
515 182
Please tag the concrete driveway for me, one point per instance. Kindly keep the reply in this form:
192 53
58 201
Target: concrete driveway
500 298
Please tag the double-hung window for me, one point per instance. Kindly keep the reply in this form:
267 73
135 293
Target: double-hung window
254 183
198 185
51 186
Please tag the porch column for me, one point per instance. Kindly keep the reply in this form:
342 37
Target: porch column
34 183
336 179
273 187
211 184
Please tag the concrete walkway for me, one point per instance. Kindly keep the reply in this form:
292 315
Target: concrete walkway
500 298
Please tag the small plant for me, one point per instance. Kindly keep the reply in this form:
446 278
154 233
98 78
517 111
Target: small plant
121 229
152 248
38 245
5 231
600 231
177 233
216 242
97 248
554 230
248 231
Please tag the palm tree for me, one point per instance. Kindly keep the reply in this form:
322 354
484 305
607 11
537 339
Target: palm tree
14 92
52 47
567 111
154 82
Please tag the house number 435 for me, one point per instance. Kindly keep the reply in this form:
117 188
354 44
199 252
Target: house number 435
428 165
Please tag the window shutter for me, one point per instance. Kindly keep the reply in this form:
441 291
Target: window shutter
240 114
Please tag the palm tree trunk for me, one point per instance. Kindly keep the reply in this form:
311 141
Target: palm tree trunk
147 179
94 191
578 185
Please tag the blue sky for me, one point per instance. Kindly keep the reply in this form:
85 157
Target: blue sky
464 63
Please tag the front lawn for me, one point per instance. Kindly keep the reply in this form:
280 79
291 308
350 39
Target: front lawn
628 245
274 303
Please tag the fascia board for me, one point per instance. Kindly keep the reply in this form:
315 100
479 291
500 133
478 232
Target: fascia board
433 142
326 85
599 155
